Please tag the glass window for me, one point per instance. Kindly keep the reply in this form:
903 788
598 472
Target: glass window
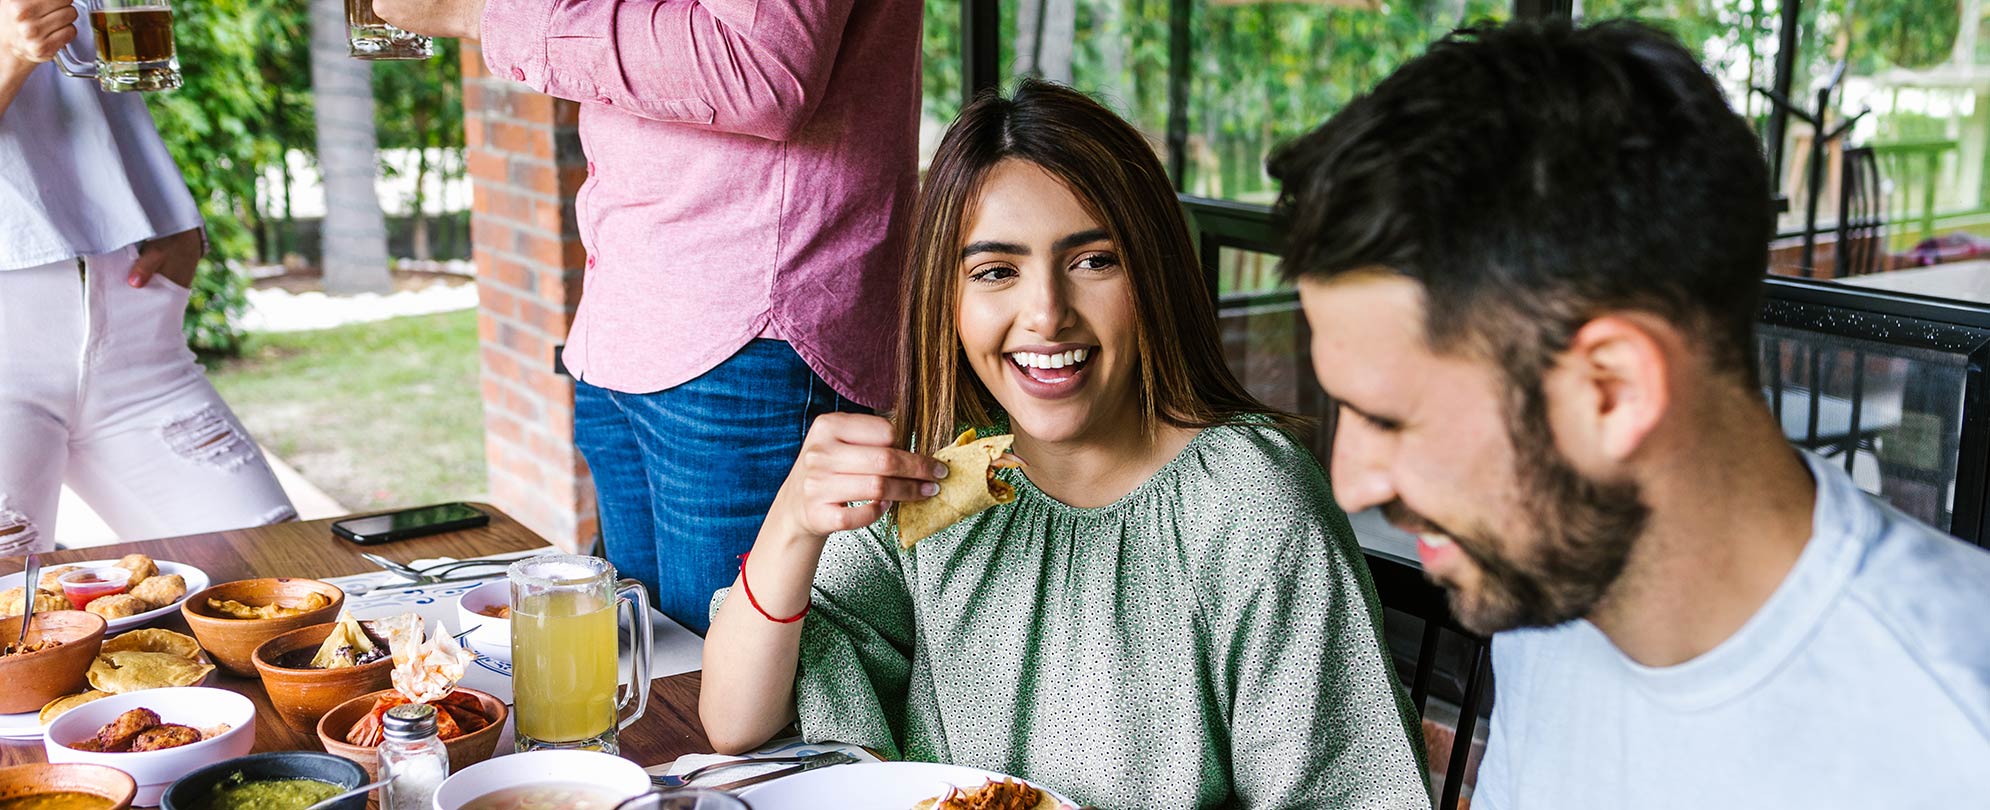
1266 72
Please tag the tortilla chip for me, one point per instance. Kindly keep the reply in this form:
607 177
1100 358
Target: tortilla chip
966 490
134 670
154 640
56 707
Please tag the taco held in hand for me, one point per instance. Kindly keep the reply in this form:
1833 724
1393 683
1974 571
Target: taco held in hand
970 486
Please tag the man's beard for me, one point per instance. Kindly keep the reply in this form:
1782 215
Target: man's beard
1584 533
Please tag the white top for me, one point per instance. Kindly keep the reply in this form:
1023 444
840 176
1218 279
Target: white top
83 172
1863 682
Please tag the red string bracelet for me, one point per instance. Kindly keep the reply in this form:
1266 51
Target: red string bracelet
756 603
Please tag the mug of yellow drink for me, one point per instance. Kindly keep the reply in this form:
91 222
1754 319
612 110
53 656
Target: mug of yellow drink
564 652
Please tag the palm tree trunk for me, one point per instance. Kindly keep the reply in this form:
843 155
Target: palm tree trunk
355 230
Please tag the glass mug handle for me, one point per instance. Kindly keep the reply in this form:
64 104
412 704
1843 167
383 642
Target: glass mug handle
631 594
72 66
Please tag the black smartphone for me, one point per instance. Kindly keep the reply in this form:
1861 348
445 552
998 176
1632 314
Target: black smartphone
410 523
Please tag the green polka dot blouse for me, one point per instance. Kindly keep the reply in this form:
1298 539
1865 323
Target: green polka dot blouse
1209 640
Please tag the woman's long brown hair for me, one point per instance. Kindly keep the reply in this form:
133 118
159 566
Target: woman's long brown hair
1183 379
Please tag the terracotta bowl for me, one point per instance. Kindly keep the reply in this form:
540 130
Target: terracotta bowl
301 696
464 751
233 642
21 781
33 679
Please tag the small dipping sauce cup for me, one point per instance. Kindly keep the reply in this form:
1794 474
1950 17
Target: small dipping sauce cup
86 586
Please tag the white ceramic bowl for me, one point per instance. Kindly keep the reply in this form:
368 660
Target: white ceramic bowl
606 771
492 635
196 706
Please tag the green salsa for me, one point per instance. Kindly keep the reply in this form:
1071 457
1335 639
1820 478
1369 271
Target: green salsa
270 794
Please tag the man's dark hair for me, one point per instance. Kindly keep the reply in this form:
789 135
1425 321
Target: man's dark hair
1533 176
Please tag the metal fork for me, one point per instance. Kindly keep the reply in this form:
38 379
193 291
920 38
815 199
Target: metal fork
434 573
818 759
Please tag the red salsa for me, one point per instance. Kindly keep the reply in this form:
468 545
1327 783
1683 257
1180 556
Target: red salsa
84 587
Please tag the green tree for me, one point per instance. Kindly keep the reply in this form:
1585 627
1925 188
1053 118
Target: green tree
419 106
214 128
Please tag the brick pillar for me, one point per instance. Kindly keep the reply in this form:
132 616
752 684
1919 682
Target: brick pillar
526 165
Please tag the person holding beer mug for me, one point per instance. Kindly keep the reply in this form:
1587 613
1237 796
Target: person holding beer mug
97 387
750 165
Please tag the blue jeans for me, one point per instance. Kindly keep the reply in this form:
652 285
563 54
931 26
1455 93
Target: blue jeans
685 475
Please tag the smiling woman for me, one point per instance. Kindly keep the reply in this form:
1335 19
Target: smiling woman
1168 613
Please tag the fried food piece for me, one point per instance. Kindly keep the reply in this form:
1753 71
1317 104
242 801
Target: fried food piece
117 606
162 590
216 730
49 577
90 744
56 707
10 602
137 670
165 735
153 639
238 610
140 566
496 611
117 734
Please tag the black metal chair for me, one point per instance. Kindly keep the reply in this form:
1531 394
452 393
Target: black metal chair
1402 587
1861 242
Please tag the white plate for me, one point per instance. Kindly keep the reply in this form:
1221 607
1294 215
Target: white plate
196 580
28 725
871 786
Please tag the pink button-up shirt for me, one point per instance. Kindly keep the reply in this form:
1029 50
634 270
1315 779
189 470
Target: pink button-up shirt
751 163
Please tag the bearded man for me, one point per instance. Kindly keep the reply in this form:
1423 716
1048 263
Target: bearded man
1532 260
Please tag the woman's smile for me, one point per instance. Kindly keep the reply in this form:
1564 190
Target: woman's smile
1051 372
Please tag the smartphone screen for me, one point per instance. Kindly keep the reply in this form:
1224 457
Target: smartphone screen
409 519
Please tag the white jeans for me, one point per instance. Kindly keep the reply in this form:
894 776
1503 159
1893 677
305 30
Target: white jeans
99 390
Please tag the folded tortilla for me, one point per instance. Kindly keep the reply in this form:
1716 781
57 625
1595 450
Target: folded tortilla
968 488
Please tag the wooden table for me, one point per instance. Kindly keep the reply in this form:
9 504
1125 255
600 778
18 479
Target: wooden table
669 729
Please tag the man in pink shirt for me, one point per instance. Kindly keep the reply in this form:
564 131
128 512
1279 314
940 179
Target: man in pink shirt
748 164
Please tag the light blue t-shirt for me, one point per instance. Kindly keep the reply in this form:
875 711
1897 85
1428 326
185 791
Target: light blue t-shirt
1863 682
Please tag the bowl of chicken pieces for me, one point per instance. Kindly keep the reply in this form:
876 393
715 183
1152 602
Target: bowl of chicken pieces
156 735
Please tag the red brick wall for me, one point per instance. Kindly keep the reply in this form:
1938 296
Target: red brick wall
525 166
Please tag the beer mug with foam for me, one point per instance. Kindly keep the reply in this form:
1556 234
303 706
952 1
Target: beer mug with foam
134 44
376 39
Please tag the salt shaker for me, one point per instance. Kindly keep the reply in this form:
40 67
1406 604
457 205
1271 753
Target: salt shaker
413 757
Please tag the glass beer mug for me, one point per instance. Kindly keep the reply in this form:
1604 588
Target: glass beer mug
564 652
134 40
376 39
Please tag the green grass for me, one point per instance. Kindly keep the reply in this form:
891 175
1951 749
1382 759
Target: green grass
378 415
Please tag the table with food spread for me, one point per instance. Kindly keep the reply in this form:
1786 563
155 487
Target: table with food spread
270 668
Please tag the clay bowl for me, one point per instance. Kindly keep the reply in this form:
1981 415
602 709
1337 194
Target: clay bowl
22 781
192 792
303 695
464 751
33 679
233 642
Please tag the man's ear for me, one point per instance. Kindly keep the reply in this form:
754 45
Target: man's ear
1612 387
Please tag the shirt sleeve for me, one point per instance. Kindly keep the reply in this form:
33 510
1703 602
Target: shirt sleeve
1318 719
753 67
856 646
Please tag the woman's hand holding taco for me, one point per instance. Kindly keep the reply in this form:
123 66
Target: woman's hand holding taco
846 459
